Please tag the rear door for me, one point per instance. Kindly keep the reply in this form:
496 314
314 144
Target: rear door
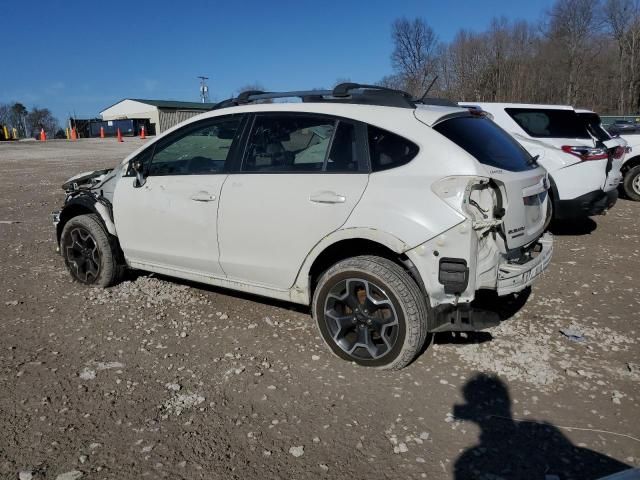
522 183
299 179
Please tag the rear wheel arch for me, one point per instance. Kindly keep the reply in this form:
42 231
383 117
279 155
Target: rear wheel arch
629 164
345 248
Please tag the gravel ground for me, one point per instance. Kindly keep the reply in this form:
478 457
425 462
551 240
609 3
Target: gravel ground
162 378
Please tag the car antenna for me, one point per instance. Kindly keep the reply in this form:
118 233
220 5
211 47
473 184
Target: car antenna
428 89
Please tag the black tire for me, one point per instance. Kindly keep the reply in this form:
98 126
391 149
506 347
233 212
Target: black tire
89 253
631 183
394 343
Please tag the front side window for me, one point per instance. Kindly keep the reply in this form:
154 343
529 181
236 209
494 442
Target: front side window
388 150
487 142
198 150
549 123
288 143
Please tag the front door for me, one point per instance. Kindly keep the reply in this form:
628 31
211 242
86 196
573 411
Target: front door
300 178
170 220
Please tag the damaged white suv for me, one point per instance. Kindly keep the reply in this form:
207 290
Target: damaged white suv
385 215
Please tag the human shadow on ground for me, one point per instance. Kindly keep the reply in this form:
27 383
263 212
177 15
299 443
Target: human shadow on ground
512 449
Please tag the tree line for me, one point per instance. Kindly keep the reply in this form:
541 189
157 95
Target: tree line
28 123
584 53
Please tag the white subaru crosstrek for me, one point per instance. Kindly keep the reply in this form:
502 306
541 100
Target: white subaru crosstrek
584 171
383 215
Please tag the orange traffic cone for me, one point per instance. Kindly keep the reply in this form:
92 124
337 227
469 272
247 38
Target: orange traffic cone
101 132
43 135
119 136
74 134
142 136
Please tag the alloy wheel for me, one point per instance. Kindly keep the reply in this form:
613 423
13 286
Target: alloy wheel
361 319
83 255
635 184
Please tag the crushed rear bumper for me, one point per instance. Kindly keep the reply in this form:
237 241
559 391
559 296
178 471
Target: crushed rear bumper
515 277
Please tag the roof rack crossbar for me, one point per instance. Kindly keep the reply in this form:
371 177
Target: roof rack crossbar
342 93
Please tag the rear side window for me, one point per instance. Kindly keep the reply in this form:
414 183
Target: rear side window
343 156
288 143
487 142
388 150
549 123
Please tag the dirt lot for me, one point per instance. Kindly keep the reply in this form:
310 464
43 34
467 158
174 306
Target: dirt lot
159 378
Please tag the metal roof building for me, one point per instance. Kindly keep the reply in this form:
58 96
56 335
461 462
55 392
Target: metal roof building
162 114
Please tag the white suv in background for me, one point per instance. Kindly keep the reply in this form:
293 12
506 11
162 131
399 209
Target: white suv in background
383 215
631 166
583 169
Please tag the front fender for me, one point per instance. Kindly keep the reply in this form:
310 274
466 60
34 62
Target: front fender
83 202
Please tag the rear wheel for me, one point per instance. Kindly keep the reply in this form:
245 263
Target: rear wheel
370 311
631 183
88 253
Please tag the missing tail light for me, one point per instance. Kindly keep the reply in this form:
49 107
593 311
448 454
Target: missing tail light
619 152
586 153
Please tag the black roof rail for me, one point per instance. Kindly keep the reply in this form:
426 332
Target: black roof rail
353 93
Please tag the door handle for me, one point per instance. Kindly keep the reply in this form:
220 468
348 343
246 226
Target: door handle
327 197
203 196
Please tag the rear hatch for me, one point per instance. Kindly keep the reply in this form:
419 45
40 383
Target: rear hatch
521 183
564 129
616 147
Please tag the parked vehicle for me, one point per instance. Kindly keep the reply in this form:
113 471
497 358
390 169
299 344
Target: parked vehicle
631 167
583 179
384 215
621 127
616 146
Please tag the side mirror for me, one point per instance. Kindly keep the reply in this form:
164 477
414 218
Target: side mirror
138 167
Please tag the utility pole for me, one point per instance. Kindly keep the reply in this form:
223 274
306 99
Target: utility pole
204 89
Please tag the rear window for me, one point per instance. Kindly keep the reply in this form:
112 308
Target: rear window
549 123
487 142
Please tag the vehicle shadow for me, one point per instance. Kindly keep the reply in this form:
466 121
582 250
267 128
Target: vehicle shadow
511 448
580 226
132 275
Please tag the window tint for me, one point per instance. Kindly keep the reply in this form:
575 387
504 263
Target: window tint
288 143
487 142
549 123
594 126
343 156
388 150
199 150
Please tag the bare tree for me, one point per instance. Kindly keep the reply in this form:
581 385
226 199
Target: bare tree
413 57
41 118
622 18
573 24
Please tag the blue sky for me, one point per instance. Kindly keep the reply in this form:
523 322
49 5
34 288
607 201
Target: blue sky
83 57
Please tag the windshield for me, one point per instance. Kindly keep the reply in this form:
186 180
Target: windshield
549 123
487 142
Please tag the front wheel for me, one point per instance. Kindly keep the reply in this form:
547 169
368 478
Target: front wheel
88 253
370 311
631 183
